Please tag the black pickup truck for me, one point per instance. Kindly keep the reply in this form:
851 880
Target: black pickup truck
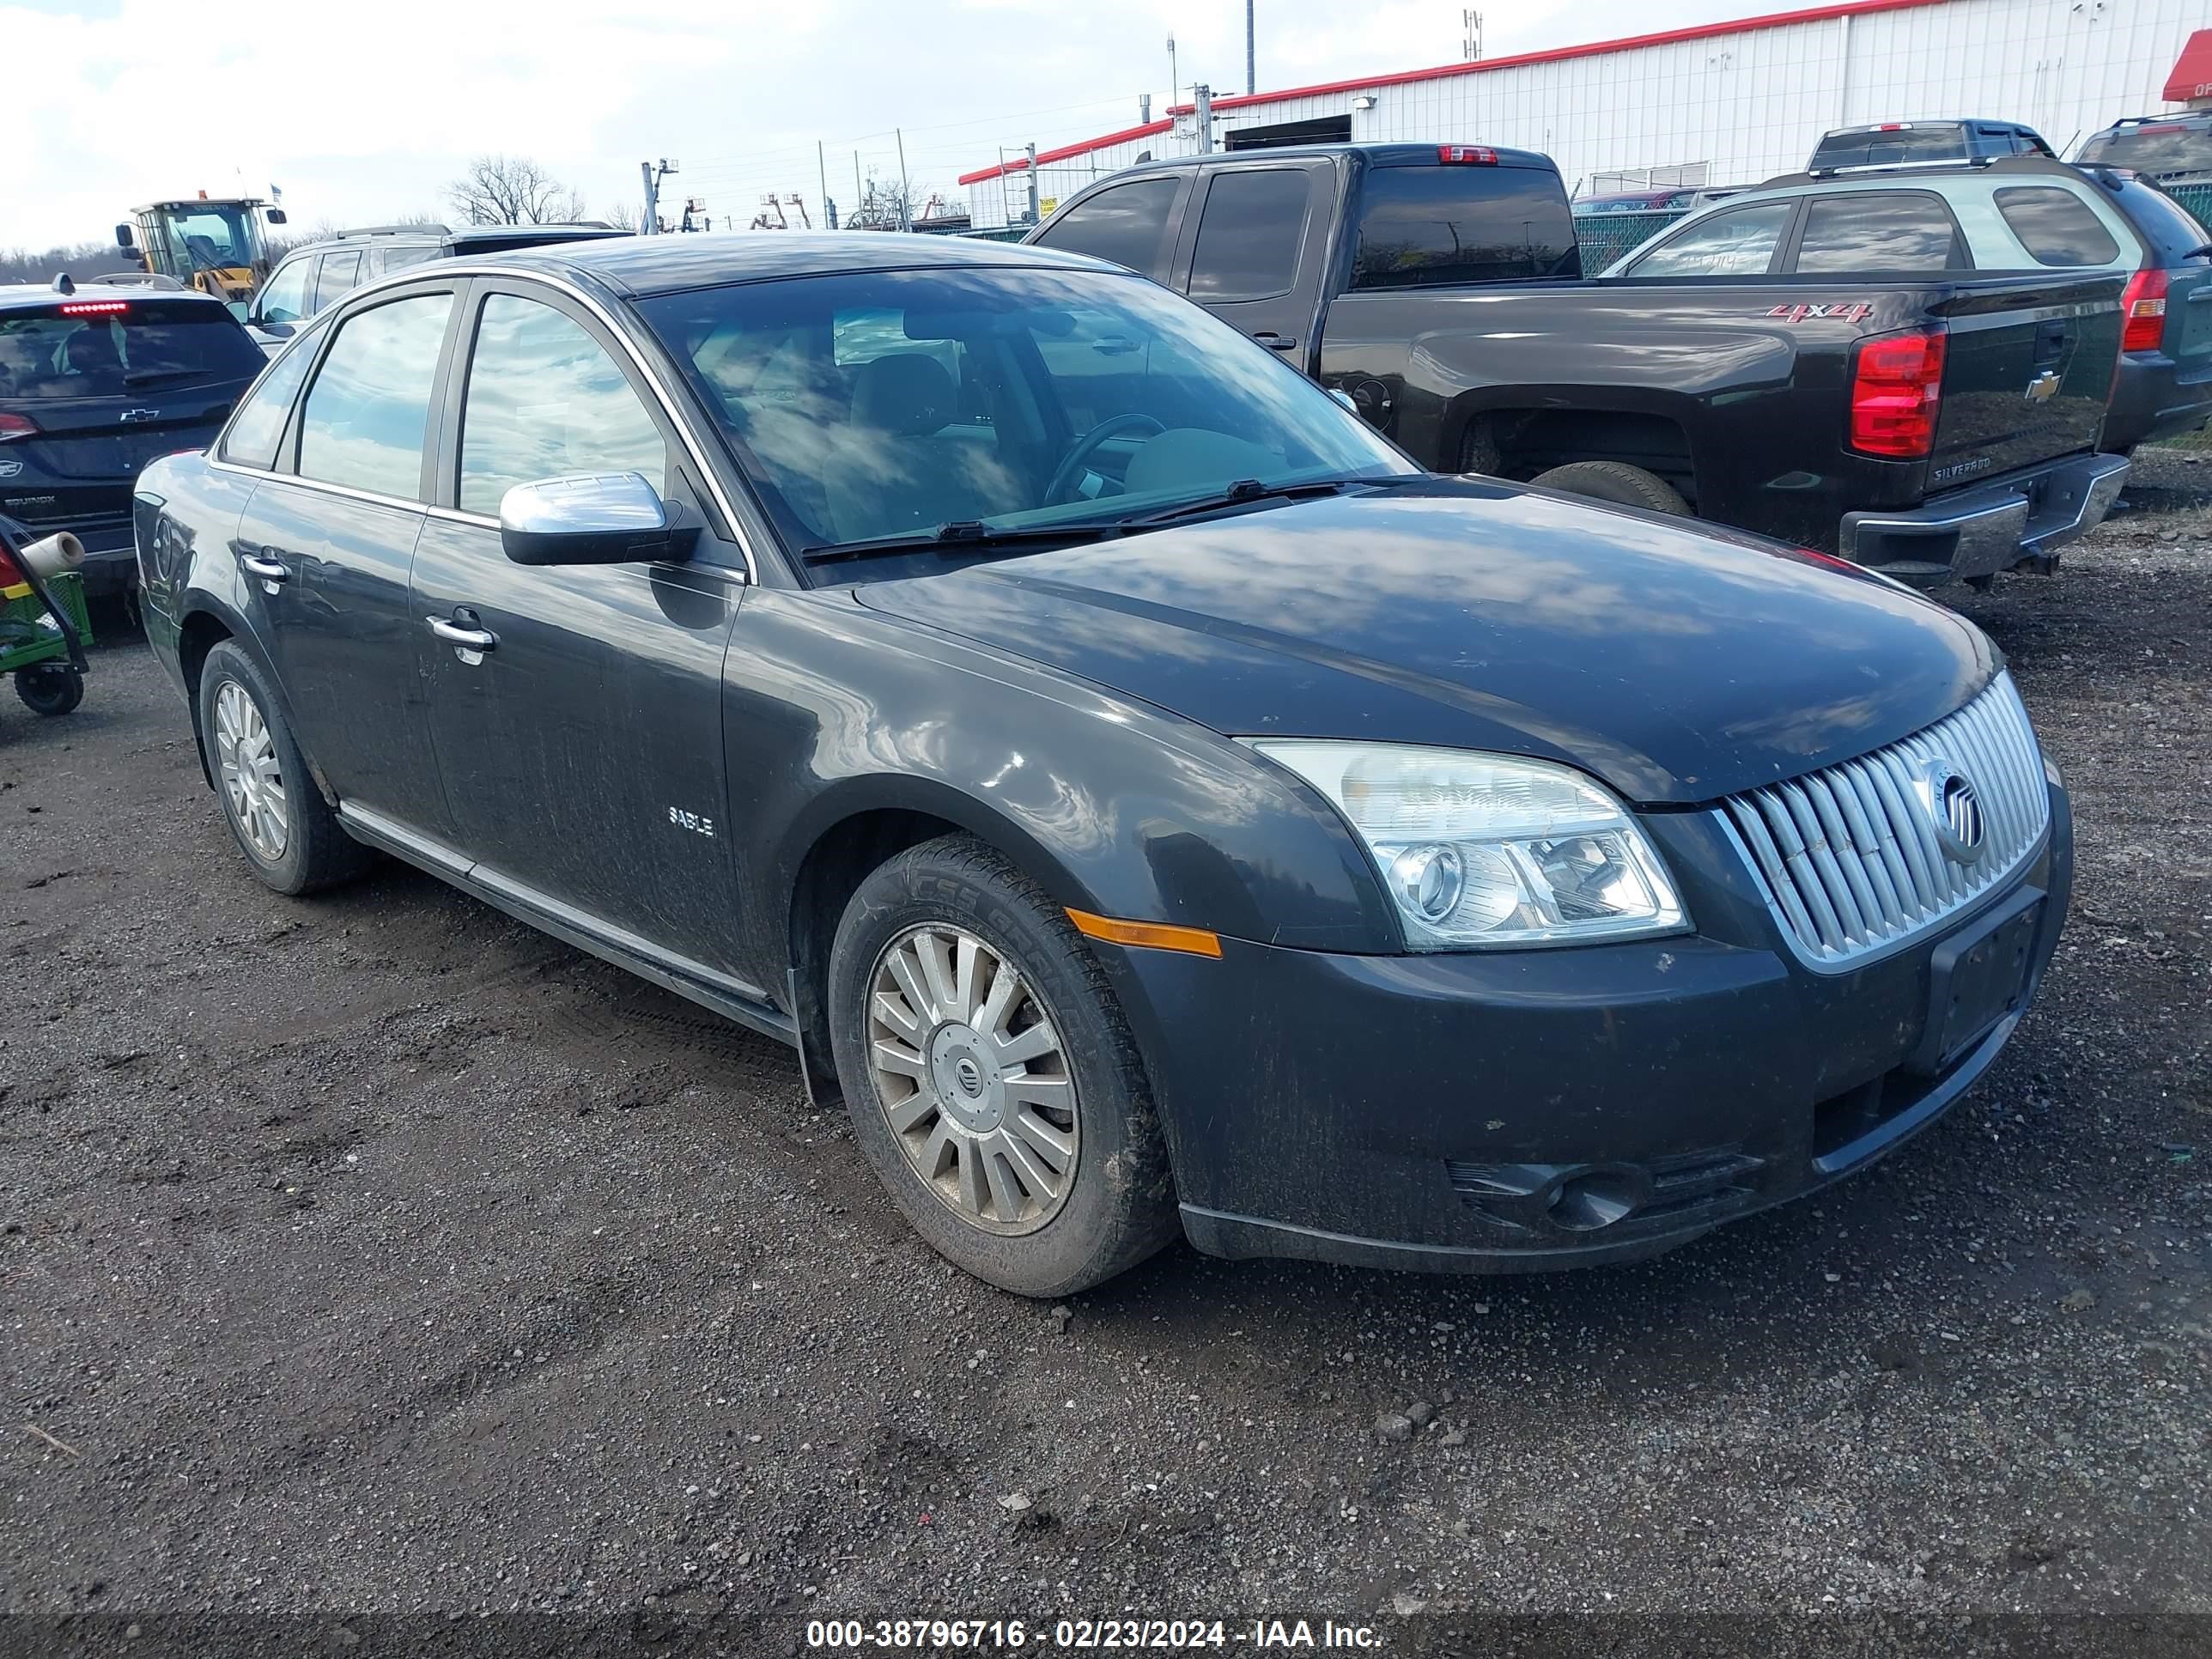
1935 428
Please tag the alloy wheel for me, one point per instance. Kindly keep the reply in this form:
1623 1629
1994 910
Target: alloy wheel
253 782
973 1079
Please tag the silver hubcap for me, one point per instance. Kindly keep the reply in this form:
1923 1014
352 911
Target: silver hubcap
972 1078
245 755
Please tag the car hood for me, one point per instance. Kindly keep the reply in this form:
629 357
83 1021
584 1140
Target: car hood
1675 662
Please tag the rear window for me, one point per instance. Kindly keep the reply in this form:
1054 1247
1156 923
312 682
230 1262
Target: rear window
2055 226
1421 226
120 348
2168 226
2163 147
1876 148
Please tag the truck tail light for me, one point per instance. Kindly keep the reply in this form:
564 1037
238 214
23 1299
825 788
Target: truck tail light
1467 156
1896 380
2143 306
17 426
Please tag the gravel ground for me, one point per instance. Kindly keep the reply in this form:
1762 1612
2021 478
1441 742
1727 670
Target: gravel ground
375 1255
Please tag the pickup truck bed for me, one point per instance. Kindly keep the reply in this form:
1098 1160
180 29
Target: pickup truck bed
1938 426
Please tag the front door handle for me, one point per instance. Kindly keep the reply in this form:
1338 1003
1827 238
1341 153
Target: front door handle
1275 341
268 570
462 634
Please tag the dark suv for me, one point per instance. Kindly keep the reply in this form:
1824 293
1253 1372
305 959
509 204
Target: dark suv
2167 147
310 277
96 381
1897 144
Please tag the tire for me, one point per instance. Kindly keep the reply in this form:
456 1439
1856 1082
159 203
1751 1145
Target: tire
975 1117
298 847
50 688
1616 481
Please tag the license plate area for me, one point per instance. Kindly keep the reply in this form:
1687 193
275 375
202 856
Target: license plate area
1975 979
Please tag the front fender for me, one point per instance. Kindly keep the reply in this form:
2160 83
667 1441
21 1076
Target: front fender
1113 805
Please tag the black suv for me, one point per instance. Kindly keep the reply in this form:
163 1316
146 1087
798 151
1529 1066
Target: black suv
311 278
1896 143
96 381
2166 147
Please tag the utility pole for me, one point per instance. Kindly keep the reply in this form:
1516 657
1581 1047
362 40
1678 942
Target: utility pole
651 207
821 167
1248 86
1035 216
906 191
1175 81
857 197
1202 100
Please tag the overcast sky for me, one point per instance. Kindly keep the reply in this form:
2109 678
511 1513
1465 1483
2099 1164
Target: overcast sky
363 113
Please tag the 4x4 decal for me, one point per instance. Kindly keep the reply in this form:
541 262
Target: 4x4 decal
1847 310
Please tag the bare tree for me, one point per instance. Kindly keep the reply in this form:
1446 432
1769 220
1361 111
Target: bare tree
513 189
82 260
886 204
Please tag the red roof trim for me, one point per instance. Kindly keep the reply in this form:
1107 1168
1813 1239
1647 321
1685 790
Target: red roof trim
1556 54
2192 72
1124 137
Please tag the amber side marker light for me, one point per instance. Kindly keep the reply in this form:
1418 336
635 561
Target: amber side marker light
1152 935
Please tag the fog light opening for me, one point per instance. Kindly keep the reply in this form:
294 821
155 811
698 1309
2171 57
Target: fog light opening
1594 1198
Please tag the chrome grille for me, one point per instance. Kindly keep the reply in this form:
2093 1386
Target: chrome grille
1867 854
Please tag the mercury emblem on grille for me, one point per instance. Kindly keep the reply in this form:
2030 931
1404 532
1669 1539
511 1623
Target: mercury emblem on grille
1954 808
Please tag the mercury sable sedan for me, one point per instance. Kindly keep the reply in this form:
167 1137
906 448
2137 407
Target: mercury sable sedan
1147 800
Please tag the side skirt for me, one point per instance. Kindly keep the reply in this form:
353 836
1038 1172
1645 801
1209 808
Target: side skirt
734 999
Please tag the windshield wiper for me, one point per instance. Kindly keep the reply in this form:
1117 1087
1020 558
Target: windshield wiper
1249 489
959 534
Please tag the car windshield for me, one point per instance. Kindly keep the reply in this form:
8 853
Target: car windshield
110 348
1863 148
887 404
2163 147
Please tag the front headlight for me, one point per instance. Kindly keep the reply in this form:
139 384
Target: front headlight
1491 850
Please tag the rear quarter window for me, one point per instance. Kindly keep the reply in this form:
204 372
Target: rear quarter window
1421 226
2057 226
120 348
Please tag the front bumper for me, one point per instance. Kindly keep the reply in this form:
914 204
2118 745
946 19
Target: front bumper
1534 1110
2007 524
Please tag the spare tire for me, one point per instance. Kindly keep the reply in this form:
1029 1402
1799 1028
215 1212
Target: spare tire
1616 481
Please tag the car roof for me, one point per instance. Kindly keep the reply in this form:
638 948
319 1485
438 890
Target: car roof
642 265
1379 155
18 296
1933 121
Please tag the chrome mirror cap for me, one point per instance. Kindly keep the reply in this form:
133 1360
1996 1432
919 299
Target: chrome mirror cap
591 518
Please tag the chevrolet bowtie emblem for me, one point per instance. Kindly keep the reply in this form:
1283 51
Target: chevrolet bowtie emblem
2043 387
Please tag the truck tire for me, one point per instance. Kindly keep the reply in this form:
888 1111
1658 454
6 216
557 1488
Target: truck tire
1616 481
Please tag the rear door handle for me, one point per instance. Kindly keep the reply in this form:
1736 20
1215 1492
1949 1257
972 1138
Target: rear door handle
2201 295
463 634
1275 341
270 570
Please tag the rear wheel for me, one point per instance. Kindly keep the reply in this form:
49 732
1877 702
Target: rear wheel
50 688
992 1083
288 833
1616 481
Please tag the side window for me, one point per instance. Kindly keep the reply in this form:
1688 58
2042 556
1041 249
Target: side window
1127 224
366 413
1738 243
1888 230
340 273
544 400
259 426
2055 226
285 299
1249 235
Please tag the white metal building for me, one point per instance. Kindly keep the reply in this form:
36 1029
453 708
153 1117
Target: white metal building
1744 100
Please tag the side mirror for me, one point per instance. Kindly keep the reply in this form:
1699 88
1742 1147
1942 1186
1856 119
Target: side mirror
275 330
123 237
276 216
610 517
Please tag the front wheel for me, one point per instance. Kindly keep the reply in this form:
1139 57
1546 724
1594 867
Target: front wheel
993 1082
50 688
